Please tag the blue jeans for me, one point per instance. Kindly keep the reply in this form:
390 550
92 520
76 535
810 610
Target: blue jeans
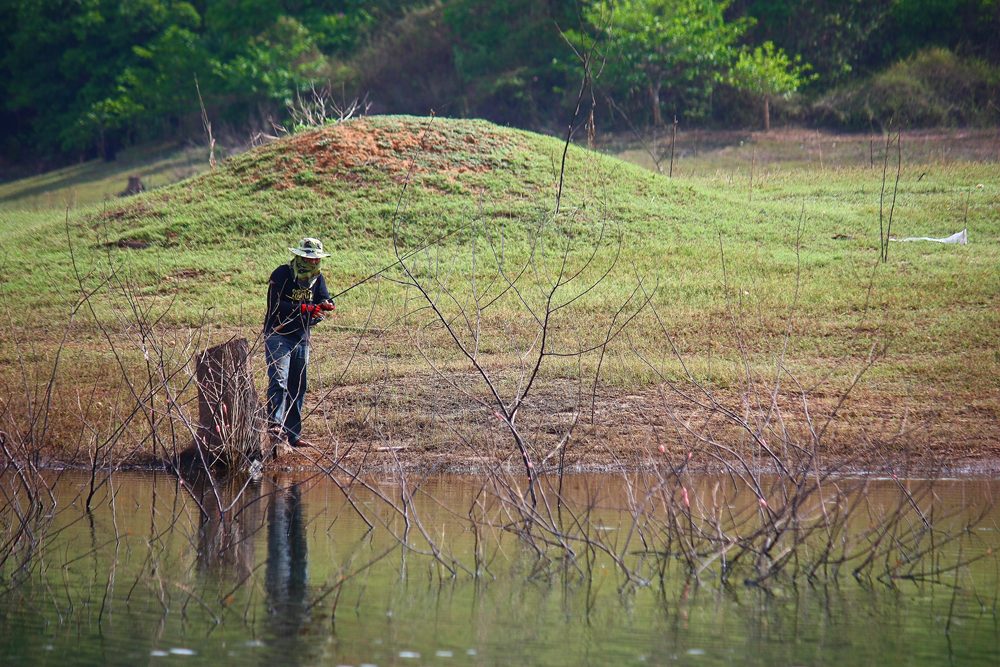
287 358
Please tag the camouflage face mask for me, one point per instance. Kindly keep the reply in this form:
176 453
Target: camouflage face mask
303 269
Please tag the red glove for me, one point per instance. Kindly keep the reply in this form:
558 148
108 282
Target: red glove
310 309
326 305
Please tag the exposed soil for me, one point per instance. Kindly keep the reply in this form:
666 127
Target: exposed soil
431 424
450 423
361 151
132 211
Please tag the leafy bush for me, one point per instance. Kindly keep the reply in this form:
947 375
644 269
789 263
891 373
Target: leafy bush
932 88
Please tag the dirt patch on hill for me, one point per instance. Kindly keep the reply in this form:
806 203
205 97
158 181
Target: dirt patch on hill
365 152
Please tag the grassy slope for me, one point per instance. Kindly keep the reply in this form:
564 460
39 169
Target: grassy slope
97 181
213 239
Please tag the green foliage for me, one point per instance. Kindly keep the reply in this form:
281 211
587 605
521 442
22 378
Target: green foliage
969 27
115 72
86 46
679 49
409 65
80 78
510 57
272 63
767 72
835 36
931 88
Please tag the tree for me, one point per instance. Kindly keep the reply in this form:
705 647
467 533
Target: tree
835 36
767 72
968 27
678 47
88 92
79 77
509 57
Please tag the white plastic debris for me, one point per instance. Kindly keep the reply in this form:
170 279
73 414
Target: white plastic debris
961 238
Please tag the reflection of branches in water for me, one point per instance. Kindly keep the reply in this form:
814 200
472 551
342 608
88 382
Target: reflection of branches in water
619 523
226 535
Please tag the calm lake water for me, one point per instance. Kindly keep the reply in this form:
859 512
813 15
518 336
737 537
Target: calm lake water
294 575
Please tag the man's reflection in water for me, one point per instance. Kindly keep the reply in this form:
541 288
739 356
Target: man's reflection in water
285 578
226 547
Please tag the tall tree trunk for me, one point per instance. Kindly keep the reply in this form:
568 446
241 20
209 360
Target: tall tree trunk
767 113
654 102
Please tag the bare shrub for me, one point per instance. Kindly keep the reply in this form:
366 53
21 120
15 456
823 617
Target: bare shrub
318 107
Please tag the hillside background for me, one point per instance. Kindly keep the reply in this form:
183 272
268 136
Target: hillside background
88 78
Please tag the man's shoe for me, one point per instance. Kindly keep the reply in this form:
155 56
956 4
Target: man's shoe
301 443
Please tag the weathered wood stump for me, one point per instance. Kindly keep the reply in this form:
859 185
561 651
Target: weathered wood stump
230 420
134 187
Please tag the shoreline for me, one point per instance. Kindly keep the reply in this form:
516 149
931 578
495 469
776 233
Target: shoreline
635 431
979 469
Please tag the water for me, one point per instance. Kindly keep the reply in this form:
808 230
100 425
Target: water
294 576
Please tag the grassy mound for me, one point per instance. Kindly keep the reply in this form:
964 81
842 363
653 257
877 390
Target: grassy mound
360 186
343 182
212 240
349 184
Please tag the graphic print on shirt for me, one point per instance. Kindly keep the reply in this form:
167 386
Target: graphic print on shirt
301 294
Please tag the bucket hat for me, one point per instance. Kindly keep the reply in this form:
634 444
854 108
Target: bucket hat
310 248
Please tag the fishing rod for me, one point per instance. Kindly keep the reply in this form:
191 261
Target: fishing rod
401 259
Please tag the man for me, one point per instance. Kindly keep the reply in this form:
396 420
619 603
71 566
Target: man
296 298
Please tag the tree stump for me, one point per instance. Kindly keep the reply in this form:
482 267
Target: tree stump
134 187
230 422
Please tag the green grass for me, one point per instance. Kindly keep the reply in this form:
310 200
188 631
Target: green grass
98 181
210 242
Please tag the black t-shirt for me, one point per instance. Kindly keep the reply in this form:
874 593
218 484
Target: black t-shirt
285 296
